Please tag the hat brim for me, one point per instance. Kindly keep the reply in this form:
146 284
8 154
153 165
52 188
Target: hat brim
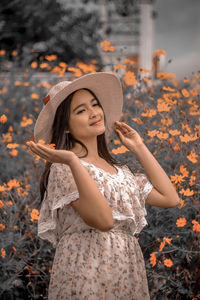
107 88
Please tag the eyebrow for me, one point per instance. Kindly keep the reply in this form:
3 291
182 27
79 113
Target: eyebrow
83 104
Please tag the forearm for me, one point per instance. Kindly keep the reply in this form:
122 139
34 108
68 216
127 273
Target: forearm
155 172
92 204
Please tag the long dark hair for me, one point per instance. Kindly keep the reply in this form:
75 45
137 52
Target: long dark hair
61 141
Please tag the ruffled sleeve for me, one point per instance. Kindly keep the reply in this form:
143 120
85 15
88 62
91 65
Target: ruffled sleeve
144 185
61 190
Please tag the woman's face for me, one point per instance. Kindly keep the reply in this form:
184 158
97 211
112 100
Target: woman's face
84 111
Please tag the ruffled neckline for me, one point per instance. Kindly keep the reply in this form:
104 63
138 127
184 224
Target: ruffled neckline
119 173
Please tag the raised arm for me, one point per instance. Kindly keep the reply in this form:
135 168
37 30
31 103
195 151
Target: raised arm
91 205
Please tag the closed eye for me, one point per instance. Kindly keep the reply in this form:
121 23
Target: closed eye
84 109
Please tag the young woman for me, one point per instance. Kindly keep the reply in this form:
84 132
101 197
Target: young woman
93 205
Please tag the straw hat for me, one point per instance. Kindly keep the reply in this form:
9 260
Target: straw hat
107 88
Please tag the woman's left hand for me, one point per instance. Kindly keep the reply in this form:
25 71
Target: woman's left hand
128 136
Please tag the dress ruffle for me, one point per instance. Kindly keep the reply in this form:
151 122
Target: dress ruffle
126 193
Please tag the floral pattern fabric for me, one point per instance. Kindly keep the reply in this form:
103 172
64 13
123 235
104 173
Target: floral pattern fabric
88 263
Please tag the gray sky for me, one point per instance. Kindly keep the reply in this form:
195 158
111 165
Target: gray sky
177 31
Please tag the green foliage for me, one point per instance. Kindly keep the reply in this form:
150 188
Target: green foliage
46 27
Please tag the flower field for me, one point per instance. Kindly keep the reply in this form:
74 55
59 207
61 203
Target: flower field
165 112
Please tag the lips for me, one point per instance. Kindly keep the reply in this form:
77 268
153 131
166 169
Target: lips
95 122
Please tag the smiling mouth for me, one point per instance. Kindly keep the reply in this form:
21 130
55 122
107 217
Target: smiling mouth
96 123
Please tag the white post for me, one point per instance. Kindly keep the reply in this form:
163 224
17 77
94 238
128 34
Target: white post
146 37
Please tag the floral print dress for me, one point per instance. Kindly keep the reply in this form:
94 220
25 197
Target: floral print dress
90 264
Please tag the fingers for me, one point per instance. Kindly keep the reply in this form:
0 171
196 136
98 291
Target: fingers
38 150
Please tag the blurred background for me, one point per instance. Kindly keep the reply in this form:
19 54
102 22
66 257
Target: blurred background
73 30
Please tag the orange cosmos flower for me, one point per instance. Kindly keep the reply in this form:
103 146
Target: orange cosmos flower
130 78
181 222
2 52
3 253
34 65
185 93
51 57
34 214
35 96
184 171
2 227
3 119
187 192
153 259
13 183
174 132
168 263
196 226
192 157
149 113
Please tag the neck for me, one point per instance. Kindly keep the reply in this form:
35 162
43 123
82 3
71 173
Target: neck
92 150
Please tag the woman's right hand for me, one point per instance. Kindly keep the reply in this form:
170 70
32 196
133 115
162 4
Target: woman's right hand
51 155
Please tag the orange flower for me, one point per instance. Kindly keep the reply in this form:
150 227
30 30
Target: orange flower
3 253
2 188
174 132
35 96
11 146
168 262
160 52
192 180
181 222
120 66
185 93
44 65
9 203
13 183
128 61
184 171
152 133
14 249
192 157
168 89
34 65
13 153
176 147
137 120
187 192
177 178
162 135
26 83
26 121
2 52
129 78
34 214
86 68
120 150
51 57
107 46
162 105
117 142
196 226
77 72
14 53
46 85
188 138
2 227
153 259
20 192
149 113
3 119
18 83
193 93
1 204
